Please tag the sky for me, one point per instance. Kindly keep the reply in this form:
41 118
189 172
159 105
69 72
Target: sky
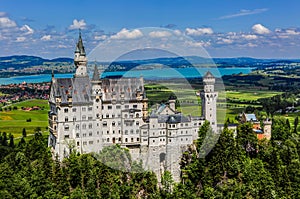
224 28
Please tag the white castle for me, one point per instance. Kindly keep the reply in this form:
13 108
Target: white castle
89 114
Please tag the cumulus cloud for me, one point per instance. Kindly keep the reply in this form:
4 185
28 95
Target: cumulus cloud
46 38
27 30
260 29
199 31
198 43
127 34
77 24
249 37
6 22
159 34
224 41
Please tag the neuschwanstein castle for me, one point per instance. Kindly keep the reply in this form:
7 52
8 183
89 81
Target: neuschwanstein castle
93 113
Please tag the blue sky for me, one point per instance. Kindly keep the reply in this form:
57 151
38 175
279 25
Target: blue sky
225 28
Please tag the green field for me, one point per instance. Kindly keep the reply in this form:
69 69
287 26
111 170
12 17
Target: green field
245 95
14 121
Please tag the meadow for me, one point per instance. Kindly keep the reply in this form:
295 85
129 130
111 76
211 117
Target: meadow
15 120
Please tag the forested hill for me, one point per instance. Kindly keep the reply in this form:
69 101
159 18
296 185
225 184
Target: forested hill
238 166
20 62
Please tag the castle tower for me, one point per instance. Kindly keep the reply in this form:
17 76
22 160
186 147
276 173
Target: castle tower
267 128
209 100
80 59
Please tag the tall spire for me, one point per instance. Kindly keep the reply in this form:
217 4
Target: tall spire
96 75
80 59
79 46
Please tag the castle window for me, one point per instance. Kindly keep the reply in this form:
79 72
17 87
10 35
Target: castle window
83 117
77 126
107 115
91 142
107 139
77 143
118 107
84 135
66 127
125 115
113 132
90 117
90 108
126 106
113 123
83 109
113 115
119 139
186 124
137 131
138 139
67 136
74 109
107 132
119 131
90 133
126 132
104 123
137 115
84 126
77 135
84 143
109 107
74 119
131 131
119 123
66 119
153 140
97 100
97 132
66 110
137 123
131 139
97 115
126 140
90 126
134 106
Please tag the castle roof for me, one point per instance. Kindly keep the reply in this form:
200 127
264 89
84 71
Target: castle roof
250 117
79 89
79 46
96 75
208 74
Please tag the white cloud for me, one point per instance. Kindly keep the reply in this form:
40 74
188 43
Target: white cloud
177 32
260 29
2 14
224 41
198 43
292 32
159 34
127 34
27 30
199 31
77 24
20 39
5 22
46 38
249 37
102 37
244 13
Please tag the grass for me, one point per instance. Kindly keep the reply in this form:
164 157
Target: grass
245 95
14 121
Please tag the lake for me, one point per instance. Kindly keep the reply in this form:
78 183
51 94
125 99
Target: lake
164 73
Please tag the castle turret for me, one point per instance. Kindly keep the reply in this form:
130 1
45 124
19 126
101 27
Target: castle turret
209 100
267 128
80 59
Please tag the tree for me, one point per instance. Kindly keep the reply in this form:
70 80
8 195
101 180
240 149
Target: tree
11 141
24 132
296 122
4 139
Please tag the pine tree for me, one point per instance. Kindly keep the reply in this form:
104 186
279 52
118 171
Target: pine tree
11 141
296 121
4 139
24 132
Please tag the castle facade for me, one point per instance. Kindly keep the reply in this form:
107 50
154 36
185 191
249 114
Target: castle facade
87 114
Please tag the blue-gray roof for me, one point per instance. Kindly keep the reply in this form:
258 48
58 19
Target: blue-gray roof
250 117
